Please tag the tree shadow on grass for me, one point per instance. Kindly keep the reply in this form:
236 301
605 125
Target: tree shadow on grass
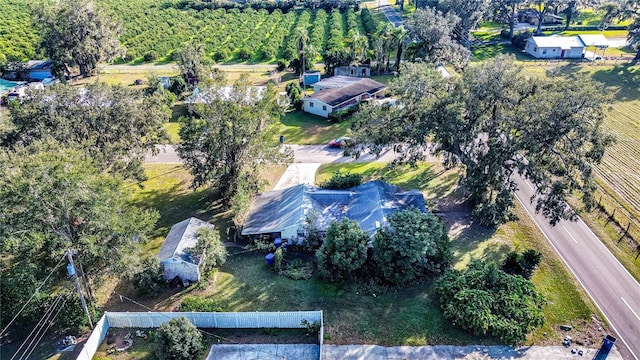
177 202
623 81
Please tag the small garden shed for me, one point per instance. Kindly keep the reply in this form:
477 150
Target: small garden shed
175 253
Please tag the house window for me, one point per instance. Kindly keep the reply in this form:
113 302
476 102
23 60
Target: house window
544 51
324 108
535 49
311 104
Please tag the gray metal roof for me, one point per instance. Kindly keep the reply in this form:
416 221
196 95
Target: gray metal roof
339 95
337 81
370 204
182 236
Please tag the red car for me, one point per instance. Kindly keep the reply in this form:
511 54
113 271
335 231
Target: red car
339 142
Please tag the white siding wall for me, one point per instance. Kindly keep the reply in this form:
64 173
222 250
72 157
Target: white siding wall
177 267
318 107
552 52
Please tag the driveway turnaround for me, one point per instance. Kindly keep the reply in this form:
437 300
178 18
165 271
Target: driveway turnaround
612 288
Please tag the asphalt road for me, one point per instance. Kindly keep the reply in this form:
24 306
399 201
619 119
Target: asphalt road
390 13
302 154
609 284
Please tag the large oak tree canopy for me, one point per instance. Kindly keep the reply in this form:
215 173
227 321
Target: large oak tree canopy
77 33
114 125
496 121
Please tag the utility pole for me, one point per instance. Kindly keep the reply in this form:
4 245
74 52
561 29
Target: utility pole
71 269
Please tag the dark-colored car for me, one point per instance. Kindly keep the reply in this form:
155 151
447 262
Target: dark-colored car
339 142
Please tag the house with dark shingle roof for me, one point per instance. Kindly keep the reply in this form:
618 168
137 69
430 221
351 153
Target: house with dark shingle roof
175 255
341 92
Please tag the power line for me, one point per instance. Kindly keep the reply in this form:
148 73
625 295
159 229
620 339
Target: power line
45 330
33 295
39 325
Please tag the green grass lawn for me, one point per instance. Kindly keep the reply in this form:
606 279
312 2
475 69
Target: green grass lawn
168 191
299 127
485 52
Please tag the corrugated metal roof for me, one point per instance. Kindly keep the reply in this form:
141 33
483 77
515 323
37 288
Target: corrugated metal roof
597 40
369 204
181 237
339 95
337 81
563 42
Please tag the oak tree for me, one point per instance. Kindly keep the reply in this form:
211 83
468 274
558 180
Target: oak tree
435 39
52 200
231 136
496 122
114 125
78 33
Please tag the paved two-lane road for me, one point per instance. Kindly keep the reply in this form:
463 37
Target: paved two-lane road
613 289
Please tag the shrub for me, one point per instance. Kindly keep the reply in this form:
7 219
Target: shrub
520 39
244 54
278 257
150 56
298 269
341 180
312 231
150 280
485 299
178 339
414 245
195 303
522 264
343 251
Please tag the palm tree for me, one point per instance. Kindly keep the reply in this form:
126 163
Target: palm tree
398 37
302 36
359 46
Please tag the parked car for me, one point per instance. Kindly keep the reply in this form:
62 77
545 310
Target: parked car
339 142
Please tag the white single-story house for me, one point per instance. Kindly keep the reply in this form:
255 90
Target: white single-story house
328 100
174 254
282 213
563 47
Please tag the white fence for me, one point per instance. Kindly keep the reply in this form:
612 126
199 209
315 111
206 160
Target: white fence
95 339
239 320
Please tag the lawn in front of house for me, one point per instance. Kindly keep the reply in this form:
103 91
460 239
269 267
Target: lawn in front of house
299 127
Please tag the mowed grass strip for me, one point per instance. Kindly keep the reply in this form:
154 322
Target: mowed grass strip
299 127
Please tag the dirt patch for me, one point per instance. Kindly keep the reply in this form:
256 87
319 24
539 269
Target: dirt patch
588 334
261 336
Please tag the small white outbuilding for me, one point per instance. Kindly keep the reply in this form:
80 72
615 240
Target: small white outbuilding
174 254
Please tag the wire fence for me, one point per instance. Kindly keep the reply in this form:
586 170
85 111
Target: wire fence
238 320
627 224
